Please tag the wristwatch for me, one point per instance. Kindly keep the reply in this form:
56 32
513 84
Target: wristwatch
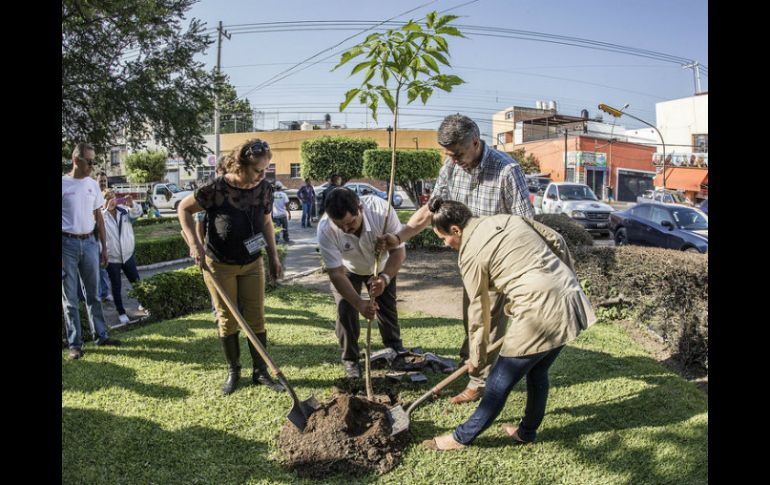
384 276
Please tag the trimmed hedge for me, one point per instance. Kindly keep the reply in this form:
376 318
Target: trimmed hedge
426 239
325 156
175 293
161 249
665 290
573 233
410 164
150 221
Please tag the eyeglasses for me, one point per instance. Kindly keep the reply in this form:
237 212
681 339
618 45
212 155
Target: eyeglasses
90 162
257 149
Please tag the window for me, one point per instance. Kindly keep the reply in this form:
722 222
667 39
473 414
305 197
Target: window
641 211
295 170
551 192
206 173
115 156
271 168
509 115
501 138
700 143
659 215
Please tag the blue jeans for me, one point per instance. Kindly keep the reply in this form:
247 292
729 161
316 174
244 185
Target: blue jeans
283 222
306 214
505 374
129 268
104 284
81 265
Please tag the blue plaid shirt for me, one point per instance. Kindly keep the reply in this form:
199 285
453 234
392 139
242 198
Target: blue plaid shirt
494 186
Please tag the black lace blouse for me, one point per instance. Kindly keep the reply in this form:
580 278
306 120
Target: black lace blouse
233 215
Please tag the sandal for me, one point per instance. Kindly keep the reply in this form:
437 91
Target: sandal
513 433
432 444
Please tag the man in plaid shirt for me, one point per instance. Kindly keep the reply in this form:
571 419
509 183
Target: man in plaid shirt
489 182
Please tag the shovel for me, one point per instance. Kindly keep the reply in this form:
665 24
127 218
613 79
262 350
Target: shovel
301 410
399 419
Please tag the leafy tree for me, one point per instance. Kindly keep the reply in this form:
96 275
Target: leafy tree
411 167
325 156
128 75
529 163
409 57
235 115
146 166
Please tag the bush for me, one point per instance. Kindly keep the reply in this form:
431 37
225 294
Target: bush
665 290
150 221
325 156
161 249
572 232
426 239
175 293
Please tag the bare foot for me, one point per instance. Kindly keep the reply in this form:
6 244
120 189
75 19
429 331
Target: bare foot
513 432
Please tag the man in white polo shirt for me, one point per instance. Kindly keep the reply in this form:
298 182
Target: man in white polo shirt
347 234
82 236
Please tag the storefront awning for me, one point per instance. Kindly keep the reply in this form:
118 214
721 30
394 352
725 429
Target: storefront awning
683 178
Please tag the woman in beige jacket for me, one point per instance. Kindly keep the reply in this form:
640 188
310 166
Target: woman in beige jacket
530 264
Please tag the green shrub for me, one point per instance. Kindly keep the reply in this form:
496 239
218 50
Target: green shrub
426 239
572 232
161 249
150 221
665 290
325 156
411 166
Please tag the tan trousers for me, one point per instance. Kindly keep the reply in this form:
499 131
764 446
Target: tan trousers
245 286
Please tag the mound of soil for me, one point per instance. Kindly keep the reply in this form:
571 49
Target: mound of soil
347 435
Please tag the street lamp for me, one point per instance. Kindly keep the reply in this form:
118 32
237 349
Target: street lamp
609 163
618 113
416 143
390 131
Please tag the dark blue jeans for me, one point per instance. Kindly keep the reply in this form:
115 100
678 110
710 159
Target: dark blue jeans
306 206
113 269
506 373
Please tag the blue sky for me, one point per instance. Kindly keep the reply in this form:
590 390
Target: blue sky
498 72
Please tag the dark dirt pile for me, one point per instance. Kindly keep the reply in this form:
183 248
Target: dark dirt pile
347 435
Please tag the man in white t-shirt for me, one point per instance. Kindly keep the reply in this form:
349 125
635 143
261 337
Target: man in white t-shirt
281 216
347 234
81 224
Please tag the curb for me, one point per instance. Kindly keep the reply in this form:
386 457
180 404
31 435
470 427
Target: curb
300 275
164 263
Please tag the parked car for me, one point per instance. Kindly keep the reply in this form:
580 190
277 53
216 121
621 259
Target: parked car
663 196
537 183
361 189
662 225
704 206
577 201
294 202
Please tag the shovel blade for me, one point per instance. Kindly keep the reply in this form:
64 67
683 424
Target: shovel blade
301 411
399 420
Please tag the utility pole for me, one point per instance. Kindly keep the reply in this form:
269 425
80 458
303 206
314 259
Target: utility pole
220 33
565 156
695 74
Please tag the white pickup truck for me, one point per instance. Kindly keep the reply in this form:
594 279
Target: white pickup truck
163 196
664 196
577 201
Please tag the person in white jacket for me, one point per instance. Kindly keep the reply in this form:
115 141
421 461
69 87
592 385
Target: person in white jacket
118 215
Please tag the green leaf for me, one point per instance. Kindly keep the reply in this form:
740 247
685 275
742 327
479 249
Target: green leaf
388 98
453 31
369 74
359 67
412 26
425 94
349 54
432 51
373 101
385 75
430 62
430 19
442 43
412 93
348 98
371 37
445 20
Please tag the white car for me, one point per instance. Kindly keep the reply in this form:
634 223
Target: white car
580 203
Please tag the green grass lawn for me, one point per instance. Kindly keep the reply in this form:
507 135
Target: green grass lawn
150 411
155 231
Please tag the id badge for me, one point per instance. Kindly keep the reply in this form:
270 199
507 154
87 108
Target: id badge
254 244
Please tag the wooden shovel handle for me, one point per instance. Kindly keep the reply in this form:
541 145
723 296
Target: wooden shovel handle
462 370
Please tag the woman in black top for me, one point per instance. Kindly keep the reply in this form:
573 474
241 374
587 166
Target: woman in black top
239 224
